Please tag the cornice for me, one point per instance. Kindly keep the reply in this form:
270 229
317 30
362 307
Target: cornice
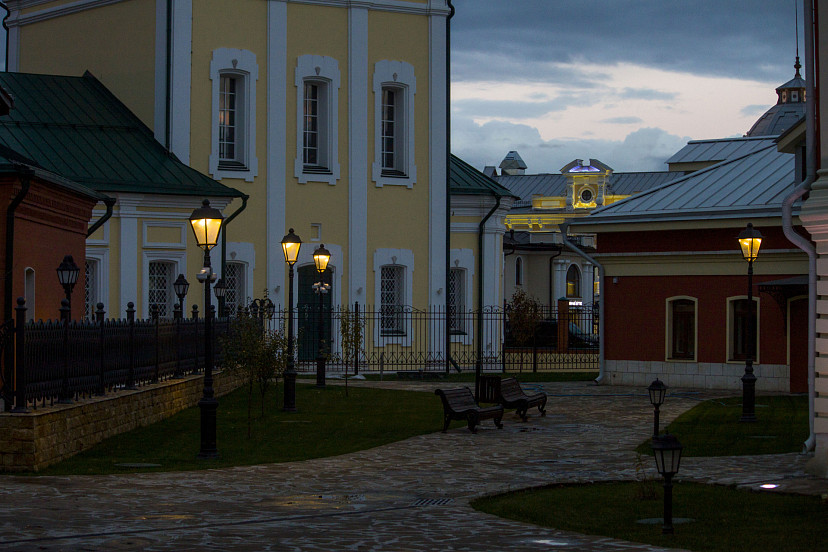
16 19
433 7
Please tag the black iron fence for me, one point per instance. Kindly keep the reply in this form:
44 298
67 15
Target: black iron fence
61 360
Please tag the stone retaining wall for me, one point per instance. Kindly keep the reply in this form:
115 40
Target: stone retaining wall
697 375
32 441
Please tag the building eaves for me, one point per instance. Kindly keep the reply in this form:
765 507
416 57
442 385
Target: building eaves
466 180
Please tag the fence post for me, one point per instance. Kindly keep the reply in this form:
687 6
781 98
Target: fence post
130 383
154 315
382 364
99 318
177 314
20 357
563 325
197 347
65 397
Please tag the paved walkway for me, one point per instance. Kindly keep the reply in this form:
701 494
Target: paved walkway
408 496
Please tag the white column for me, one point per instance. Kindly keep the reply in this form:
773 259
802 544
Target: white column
358 176
437 178
128 261
587 287
181 79
560 279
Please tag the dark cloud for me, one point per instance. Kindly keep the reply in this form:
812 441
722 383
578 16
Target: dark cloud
623 120
518 39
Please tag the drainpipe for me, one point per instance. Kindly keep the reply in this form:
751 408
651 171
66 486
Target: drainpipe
110 203
6 28
787 208
227 221
478 365
601 370
25 175
447 336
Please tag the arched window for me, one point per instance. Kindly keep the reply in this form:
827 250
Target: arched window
29 293
518 271
681 328
573 282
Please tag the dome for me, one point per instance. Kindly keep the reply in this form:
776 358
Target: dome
789 108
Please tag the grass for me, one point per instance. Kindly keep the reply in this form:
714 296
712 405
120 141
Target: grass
328 423
468 377
712 428
740 520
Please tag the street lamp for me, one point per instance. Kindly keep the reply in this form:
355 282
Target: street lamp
206 222
290 246
220 289
67 273
181 286
321 257
656 390
750 239
667 452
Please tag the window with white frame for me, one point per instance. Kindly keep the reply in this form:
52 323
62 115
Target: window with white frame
394 88
160 291
235 296
392 281
91 286
457 301
681 328
573 282
234 74
317 144
743 323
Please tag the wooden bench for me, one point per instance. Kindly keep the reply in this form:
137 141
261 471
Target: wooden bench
512 396
458 404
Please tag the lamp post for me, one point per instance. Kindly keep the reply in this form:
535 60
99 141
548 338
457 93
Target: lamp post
220 290
206 222
181 286
656 390
750 239
321 257
667 452
290 246
68 273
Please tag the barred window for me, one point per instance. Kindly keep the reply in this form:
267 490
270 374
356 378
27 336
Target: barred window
391 300
235 296
160 288
457 300
91 288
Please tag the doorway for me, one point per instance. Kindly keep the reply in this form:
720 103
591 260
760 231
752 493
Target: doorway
307 307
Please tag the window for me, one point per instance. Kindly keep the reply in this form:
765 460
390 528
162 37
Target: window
518 271
317 144
91 299
681 329
160 289
457 301
233 148
29 293
573 282
394 88
596 282
741 316
391 300
235 297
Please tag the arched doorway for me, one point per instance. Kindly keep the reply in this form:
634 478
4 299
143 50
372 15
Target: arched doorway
307 307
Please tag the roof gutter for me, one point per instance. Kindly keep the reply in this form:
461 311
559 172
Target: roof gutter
110 203
787 214
227 221
478 365
602 327
447 336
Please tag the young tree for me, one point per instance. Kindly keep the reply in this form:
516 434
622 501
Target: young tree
524 316
351 328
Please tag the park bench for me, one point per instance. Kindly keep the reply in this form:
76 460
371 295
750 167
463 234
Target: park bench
458 404
513 396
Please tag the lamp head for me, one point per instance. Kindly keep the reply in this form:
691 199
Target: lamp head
181 285
321 257
68 272
290 246
220 289
657 390
206 222
667 452
750 239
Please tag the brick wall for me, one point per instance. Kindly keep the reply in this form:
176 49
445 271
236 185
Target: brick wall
30 442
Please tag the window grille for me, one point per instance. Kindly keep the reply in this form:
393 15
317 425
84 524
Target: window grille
234 297
457 300
391 300
90 288
160 289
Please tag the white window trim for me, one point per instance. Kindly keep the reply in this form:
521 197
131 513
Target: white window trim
464 259
101 256
241 64
398 74
245 253
405 259
321 69
175 225
729 342
178 258
668 329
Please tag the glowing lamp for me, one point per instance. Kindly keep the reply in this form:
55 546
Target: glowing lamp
750 239
290 246
206 222
321 257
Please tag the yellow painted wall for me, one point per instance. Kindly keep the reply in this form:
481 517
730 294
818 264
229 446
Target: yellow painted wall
55 47
114 267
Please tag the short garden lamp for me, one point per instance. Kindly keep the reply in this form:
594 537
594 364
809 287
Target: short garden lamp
750 240
206 222
291 244
656 390
68 273
220 289
181 286
321 258
667 452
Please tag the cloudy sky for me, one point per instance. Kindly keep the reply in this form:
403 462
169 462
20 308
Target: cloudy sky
627 82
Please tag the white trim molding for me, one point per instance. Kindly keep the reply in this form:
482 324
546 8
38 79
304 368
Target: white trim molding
245 253
358 154
400 76
241 65
177 258
394 257
322 70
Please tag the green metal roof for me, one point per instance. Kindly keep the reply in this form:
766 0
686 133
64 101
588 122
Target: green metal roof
466 180
76 128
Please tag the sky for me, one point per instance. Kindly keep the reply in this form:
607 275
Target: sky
627 82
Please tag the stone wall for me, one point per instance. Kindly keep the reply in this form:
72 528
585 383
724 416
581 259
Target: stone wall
32 441
697 375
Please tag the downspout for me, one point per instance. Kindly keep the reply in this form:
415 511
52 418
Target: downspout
787 216
478 365
447 336
227 221
601 304
110 203
25 175
6 28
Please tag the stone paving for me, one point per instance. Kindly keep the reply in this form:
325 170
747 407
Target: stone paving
408 496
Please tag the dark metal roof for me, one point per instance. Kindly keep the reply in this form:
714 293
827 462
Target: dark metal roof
76 128
778 119
554 185
466 180
706 151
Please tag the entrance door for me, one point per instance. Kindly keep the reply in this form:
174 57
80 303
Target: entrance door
309 313
798 340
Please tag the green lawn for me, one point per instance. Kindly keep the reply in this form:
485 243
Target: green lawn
328 423
712 428
740 521
468 377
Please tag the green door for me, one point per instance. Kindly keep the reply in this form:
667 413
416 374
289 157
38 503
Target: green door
309 313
